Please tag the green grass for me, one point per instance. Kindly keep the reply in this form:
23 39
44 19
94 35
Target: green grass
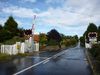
4 57
22 55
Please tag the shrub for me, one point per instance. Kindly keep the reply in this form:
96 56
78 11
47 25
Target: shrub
14 40
95 50
52 42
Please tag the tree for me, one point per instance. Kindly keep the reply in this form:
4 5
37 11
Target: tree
82 41
11 26
54 35
92 28
99 33
4 35
1 27
43 39
76 37
20 32
28 32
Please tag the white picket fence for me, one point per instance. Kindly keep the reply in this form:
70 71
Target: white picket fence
20 47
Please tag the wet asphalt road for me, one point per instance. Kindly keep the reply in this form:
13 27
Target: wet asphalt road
71 61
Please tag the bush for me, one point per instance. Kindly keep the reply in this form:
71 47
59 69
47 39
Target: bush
73 41
4 35
82 41
52 42
14 40
68 43
95 50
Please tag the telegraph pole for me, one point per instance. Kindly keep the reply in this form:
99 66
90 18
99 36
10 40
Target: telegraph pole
33 29
33 26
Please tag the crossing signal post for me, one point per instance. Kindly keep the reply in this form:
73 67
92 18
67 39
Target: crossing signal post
92 39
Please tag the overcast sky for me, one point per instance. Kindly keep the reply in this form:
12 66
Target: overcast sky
69 17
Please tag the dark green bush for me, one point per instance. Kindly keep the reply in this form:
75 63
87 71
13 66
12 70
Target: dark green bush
95 50
52 42
14 40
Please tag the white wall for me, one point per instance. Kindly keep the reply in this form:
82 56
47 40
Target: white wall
20 47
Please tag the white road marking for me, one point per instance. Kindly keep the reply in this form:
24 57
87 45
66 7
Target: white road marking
44 61
30 67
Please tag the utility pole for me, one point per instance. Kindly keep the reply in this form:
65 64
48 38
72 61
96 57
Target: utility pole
33 26
33 29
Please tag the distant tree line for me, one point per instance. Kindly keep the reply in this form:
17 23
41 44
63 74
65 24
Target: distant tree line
11 32
53 38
